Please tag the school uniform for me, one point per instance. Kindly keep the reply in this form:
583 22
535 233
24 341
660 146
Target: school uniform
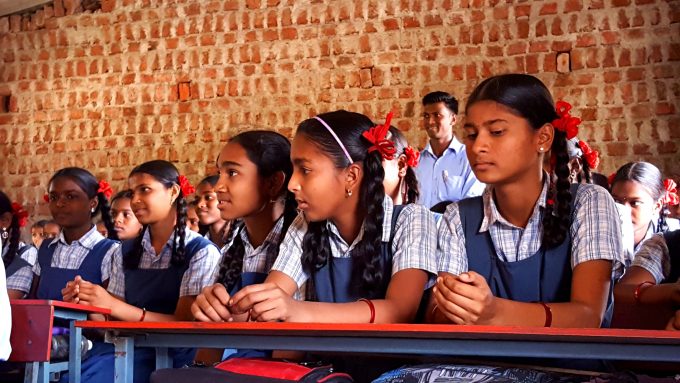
408 239
60 262
474 236
256 261
660 256
20 271
224 247
653 228
156 285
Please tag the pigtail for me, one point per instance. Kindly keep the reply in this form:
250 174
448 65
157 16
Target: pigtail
556 220
179 249
289 214
105 211
412 191
131 260
367 271
231 264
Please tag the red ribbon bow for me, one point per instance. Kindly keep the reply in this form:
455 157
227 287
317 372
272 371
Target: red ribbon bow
105 188
565 122
185 185
412 156
591 156
671 198
20 213
377 136
610 179
46 198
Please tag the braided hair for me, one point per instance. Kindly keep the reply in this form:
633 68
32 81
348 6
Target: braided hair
649 176
167 174
90 186
367 271
527 97
400 144
270 152
14 229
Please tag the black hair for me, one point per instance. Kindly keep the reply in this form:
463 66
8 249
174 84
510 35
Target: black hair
90 186
400 144
270 152
367 271
448 100
527 97
123 194
14 229
212 180
649 176
167 174
40 224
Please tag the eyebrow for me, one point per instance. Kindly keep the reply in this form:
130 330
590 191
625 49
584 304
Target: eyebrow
228 163
485 123
300 161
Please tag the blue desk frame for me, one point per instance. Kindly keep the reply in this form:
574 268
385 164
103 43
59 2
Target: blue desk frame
434 340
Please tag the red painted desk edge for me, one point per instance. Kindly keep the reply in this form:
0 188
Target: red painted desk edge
400 330
59 304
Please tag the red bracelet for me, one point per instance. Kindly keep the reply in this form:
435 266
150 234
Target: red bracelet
143 315
638 290
548 314
371 307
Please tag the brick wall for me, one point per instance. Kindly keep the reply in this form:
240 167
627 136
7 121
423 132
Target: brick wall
109 88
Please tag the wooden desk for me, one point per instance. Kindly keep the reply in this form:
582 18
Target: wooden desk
415 339
31 337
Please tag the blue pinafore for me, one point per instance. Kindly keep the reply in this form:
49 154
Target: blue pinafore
17 263
673 243
333 282
543 277
53 279
156 290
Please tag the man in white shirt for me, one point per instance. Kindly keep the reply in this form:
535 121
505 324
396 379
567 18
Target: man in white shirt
5 315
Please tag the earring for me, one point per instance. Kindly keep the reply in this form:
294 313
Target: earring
92 210
540 149
348 192
4 234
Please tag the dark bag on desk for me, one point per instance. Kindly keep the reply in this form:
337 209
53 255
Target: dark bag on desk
252 370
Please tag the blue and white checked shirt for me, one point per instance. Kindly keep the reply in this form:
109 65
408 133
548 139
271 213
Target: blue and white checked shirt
595 231
413 245
260 259
71 256
22 278
196 277
654 257
447 178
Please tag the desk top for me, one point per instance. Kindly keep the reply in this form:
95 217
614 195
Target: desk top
414 331
59 304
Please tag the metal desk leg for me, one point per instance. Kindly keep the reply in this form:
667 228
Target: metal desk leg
31 372
75 353
162 358
124 359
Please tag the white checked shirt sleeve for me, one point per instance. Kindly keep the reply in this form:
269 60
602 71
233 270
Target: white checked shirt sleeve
200 271
117 278
107 261
653 256
289 260
22 279
451 253
596 229
415 240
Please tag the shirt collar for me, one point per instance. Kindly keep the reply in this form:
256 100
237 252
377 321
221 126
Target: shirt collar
388 208
271 239
146 239
91 238
492 215
455 146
